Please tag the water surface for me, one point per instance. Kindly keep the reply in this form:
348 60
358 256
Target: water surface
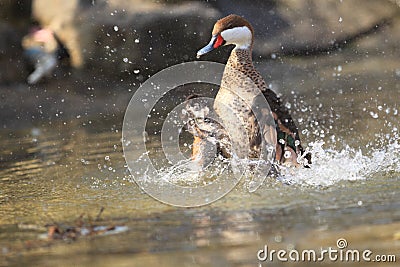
347 108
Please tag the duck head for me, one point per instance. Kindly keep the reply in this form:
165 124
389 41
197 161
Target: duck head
231 29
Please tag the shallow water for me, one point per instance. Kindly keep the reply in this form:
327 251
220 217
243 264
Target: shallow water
349 120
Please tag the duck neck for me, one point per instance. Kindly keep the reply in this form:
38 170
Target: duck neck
240 59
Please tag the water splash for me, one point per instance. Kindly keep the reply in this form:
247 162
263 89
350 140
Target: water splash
329 167
349 164
191 173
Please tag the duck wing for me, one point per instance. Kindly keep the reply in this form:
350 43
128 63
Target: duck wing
288 146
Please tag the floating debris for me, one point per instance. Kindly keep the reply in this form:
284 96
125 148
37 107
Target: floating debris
69 233
81 228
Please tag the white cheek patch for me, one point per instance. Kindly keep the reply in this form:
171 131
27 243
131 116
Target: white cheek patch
240 36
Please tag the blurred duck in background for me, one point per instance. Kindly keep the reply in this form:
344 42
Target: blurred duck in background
40 47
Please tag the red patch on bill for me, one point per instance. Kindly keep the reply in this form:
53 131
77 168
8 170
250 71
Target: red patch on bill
219 41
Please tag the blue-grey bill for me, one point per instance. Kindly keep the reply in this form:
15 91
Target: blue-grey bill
207 48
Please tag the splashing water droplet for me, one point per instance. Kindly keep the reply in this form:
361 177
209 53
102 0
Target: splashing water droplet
287 154
373 114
